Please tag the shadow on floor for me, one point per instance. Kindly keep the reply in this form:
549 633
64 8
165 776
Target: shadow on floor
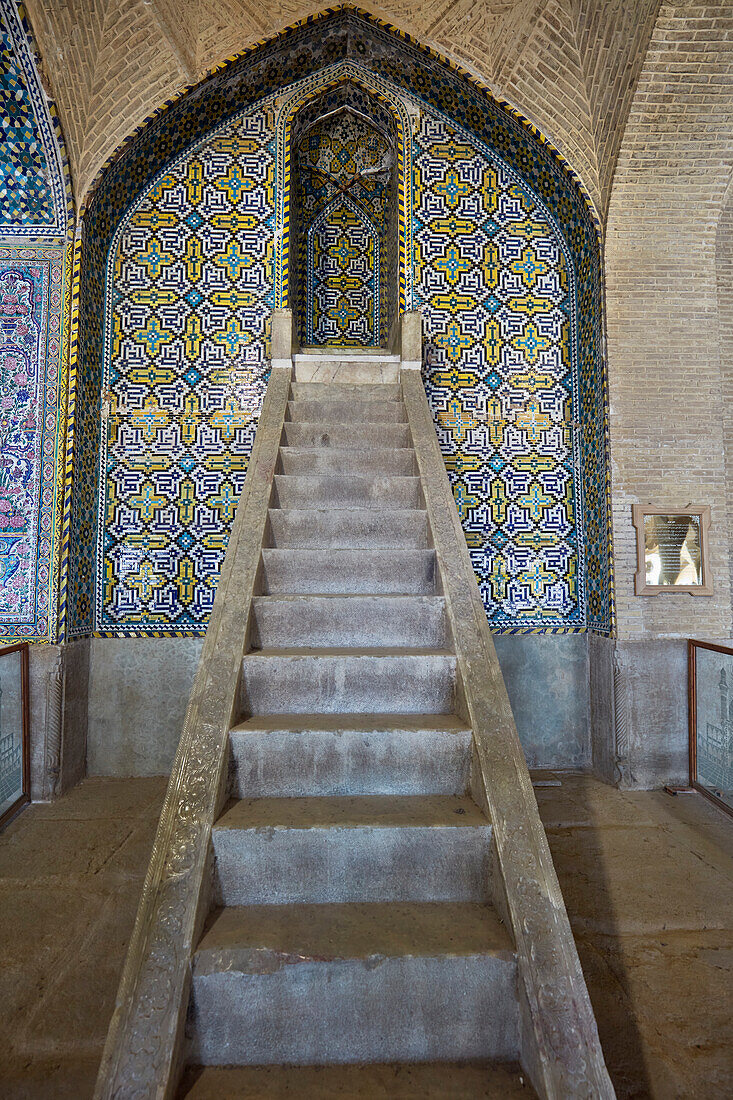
647 881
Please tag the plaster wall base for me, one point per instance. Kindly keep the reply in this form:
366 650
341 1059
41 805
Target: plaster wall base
139 687
547 678
581 702
138 693
650 701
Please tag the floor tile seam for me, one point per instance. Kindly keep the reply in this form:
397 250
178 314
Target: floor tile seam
79 881
58 816
599 827
587 928
656 937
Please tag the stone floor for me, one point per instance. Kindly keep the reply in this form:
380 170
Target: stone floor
648 881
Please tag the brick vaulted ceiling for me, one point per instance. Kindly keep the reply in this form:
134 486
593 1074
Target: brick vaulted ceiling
570 66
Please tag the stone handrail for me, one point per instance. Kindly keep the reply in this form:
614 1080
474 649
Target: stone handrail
142 1051
560 1048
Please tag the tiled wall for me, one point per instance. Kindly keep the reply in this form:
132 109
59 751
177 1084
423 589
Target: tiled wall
189 299
497 292
522 358
34 281
32 425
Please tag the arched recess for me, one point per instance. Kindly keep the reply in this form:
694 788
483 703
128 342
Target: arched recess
498 248
344 85
344 146
342 262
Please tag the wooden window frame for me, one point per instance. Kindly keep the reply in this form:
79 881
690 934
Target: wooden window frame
641 588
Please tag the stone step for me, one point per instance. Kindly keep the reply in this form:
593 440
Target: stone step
285 851
346 369
297 620
347 681
364 571
353 983
345 391
347 411
353 528
319 433
470 1080
325 755
337 460
310 352
346 491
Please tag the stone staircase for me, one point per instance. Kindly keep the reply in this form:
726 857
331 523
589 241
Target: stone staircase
352 872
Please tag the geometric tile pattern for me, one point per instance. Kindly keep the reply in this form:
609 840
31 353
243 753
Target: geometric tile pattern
191 292
31 433
34 181
343 277
492 279
377 56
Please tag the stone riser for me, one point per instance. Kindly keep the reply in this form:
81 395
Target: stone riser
346 491
390 461
352 1011
339 391
292 763
348 682
347 412
328 434
359 621
358 863
296 528
366 572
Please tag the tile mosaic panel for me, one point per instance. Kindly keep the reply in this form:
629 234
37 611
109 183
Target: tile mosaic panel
492 281
378 56
34 185
189 297
32 389
342 302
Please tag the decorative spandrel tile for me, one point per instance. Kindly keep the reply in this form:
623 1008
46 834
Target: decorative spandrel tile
34 181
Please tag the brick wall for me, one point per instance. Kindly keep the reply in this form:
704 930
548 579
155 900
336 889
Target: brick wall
569 67
665 365
724 267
